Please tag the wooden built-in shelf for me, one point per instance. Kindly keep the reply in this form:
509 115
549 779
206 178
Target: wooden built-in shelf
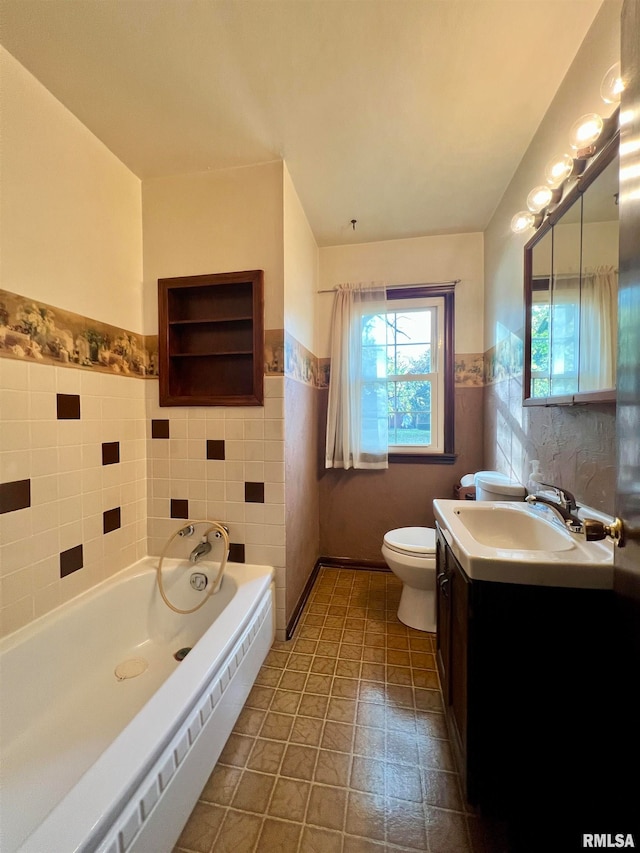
211 339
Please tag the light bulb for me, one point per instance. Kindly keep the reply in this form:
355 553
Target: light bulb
522 221
558 170
612 85
539 198
585 131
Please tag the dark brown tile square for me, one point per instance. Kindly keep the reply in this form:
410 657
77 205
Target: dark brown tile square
110 452
278 835
71 560
215 449
179 508
266 756
160 429
68 407
15 495
326 807
254 493
111 519
236 552
253 792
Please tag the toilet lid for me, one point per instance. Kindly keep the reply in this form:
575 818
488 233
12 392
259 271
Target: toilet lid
416 540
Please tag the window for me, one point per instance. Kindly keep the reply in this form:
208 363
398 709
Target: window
555 339
415 339
391 392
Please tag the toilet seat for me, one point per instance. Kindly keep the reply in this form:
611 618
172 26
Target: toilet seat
413 541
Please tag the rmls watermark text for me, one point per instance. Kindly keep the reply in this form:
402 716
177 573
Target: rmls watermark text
620 839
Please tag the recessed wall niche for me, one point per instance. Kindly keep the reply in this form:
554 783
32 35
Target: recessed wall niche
211 339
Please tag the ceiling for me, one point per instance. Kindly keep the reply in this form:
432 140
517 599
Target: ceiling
410 116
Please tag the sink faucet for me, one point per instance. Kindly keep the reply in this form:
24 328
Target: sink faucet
565 506
199 551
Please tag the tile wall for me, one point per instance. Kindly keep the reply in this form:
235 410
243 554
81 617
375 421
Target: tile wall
222 464
72 483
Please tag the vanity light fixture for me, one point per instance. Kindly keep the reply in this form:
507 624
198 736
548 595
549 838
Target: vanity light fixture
559 169
522 221
584 134
541 197
612 85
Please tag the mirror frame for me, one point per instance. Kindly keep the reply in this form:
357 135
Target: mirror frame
595 168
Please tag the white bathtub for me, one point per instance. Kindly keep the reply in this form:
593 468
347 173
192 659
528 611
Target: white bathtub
93 763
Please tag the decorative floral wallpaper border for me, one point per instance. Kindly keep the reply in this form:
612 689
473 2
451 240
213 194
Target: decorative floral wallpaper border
35 331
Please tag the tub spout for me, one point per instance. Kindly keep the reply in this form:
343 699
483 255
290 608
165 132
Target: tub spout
199 551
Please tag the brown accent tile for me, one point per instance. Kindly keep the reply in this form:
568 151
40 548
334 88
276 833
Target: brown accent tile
249 721
425 678
350 651
277 658
398 657
395 642
68 407
406 825
277 836
254 493
304 646
373 671
362 845
215 449
400 695
289 799
399 675
421 660
324 666
315 840
236 750
179 508
326 807
299 761
310 631
15 495
367 775
328 648
253 792
333 768
333 635
202 828
266 755
351 636
111 520
160 428
428 700
337 736
420 644
260 697
365 815
71 560
221 785
239 831
374 654
110 452
236 552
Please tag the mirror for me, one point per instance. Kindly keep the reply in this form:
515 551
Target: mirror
571 275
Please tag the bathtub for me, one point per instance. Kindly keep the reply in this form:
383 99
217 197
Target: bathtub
106 738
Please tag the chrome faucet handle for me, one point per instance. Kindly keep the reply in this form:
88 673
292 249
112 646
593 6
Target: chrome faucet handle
566 498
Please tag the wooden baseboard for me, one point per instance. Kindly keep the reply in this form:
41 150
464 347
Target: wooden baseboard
329 563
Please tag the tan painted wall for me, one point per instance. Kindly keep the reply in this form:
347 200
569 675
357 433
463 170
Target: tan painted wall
576 447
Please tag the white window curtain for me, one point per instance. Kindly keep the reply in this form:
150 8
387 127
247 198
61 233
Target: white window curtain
358 412
598 327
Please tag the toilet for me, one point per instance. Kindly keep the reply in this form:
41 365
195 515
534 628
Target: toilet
410 553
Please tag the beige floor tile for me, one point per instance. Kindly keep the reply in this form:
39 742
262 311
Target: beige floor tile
342 746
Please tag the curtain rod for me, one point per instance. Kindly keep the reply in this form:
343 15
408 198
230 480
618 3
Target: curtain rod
394 286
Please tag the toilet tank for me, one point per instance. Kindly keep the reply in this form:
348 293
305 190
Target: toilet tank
493 486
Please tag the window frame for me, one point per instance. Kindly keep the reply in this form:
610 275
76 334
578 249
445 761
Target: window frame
447 292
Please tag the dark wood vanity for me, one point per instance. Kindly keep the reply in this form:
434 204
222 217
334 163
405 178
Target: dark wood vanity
526 683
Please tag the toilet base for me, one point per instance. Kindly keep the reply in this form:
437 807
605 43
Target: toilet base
417 608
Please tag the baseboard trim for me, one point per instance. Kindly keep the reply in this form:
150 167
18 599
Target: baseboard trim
329 563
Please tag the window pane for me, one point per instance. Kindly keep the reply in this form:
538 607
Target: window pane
411 358
409 413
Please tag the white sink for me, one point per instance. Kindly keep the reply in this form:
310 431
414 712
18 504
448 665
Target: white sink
516 542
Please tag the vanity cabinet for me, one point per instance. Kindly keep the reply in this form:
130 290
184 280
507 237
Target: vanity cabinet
524 673
211 339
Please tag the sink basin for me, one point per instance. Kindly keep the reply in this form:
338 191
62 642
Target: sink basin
517 542
500 527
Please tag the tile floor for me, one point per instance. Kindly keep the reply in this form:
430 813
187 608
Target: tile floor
342 745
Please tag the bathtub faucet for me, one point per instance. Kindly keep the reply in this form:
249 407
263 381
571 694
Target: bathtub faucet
200 550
